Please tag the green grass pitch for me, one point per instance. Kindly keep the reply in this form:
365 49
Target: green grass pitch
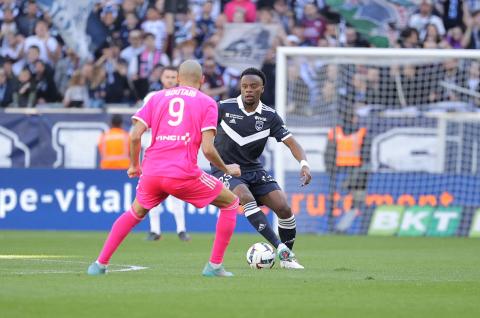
344 277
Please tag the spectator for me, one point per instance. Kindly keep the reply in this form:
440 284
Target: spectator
129 25
8 25
127 7
24 95
169 77
244 8
139 69
375 89
12 46
297 38
432 34
46 91
108 16
32 56
154 83
48 45
269 69
313 23
424 17
409 38
353 38
6 90
117 88
26 22
96 82
77 93
135 48
331 34
142 8
282 15
213 85
205 24
452 77
452 12
64 70
455 37
471 39
184 52
7 67
155 26
198 6
184 27
297 92
473 83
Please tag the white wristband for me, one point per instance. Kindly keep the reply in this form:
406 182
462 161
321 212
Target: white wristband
304 163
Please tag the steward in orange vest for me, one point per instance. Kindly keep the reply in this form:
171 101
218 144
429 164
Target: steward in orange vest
114 146
347 158
349 147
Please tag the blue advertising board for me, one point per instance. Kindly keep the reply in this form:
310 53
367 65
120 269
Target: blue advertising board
76 199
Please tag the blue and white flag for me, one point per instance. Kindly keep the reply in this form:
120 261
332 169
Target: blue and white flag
70 18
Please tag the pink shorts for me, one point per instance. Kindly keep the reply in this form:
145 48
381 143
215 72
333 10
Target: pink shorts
201 191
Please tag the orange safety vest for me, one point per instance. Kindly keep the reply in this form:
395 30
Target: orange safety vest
114 149
349 147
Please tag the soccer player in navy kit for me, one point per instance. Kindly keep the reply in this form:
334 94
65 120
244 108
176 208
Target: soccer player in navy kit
244 126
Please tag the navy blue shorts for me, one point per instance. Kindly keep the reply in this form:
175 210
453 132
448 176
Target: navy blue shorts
258 182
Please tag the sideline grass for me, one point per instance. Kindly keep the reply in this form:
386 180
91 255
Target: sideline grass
345 277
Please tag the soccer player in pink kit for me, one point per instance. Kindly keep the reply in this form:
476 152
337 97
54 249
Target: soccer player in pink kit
182 120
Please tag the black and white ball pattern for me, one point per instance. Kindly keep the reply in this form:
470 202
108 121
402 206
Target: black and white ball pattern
261 255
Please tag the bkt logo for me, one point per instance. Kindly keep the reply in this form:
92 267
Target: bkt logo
186 138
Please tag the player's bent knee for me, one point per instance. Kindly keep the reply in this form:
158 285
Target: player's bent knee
284 212
139 210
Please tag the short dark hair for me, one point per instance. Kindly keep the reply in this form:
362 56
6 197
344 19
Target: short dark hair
169 68
254 71
117 121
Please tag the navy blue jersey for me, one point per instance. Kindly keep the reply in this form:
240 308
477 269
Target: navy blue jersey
242 136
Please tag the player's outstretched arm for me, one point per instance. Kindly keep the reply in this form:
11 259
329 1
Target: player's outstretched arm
212 155
135 146
299 154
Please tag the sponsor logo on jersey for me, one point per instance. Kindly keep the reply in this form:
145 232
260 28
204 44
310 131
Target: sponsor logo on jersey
259 125
185 138
260 118
234 116
232 121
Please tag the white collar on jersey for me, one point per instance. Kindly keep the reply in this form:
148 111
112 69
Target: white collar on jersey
242 107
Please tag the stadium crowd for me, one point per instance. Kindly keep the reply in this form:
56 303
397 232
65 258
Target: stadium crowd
136 39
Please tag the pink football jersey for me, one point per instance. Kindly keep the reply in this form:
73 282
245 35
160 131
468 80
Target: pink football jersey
177 118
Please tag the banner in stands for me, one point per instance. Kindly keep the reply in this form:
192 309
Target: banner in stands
70 18
245 45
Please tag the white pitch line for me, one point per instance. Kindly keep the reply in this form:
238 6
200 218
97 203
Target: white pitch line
40 256
47 258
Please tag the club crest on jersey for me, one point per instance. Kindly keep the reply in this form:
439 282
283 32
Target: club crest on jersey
259 125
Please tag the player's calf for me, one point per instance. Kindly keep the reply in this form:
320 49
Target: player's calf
259 221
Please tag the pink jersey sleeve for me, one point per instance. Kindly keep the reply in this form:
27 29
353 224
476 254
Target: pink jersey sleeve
144 114
211 115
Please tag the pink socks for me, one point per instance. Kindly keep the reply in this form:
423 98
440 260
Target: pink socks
120 229
224 231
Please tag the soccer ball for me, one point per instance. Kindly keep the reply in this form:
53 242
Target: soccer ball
261 255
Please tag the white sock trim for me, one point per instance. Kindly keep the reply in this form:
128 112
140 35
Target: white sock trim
215 266
288 224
